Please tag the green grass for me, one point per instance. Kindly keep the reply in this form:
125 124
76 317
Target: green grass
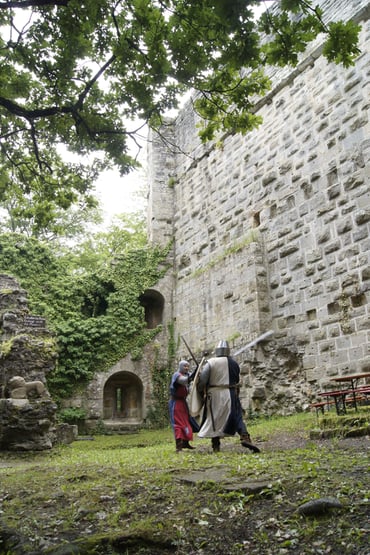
123 494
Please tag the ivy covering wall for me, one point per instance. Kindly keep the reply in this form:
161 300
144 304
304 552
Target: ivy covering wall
90 298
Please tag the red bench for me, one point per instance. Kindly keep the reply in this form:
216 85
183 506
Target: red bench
342 397
338 397
319 406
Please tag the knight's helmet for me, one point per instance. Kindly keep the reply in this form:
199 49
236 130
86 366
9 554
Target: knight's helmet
222 349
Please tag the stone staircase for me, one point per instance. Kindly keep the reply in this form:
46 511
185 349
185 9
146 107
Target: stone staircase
121 427
352 424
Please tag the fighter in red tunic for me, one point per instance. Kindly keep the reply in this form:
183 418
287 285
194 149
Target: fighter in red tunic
179 411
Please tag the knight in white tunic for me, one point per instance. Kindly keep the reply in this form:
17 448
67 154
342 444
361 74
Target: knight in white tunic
219 381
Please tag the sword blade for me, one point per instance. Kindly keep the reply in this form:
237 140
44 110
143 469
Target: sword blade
254 342
190 351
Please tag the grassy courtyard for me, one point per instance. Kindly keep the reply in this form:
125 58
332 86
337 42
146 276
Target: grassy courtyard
127 494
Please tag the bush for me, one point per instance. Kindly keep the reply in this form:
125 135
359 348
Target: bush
72 415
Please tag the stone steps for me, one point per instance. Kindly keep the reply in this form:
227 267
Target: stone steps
116 427
356 424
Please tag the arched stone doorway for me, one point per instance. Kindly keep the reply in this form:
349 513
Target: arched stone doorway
122 398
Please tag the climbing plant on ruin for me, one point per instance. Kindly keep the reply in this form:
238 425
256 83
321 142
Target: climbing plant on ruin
90 298
157 416
74 75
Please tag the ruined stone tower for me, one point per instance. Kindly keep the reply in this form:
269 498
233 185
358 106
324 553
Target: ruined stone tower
271 231
27 355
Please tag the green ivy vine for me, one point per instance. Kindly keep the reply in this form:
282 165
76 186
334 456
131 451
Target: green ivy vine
94 310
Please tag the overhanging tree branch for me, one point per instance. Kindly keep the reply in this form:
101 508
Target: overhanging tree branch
30 115
92 82
148 54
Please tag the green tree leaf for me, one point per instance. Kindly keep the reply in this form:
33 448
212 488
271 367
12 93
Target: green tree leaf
75 73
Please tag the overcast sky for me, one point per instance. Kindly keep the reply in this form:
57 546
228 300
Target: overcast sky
121 194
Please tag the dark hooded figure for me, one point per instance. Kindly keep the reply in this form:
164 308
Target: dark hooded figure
179 411
222 416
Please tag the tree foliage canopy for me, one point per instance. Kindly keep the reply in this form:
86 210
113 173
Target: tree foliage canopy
74 72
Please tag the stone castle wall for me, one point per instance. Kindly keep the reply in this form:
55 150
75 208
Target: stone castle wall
271 230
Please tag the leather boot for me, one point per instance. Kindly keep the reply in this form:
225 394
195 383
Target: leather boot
179 445
186 445
245 440
216 444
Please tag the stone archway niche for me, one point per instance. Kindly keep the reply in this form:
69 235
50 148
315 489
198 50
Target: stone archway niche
153 303
122 398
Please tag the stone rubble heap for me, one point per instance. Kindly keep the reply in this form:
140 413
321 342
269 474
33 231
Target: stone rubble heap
27 355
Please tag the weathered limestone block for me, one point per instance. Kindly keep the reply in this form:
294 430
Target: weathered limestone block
65 433
259 393
27 426
362 216
28 355
11 295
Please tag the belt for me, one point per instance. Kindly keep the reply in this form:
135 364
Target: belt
224 386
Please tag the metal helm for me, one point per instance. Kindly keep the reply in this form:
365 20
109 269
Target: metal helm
222 349
184 367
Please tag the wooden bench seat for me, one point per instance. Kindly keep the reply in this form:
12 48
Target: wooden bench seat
319 406
359 399
365 389
342 397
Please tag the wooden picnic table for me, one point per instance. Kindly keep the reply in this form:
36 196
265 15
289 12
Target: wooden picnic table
353 380
339 398
350 388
